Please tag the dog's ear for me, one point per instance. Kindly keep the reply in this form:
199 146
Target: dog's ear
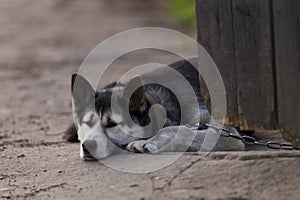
137 101
82 92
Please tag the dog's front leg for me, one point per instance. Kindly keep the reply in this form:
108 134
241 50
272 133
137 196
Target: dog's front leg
182 138
169 139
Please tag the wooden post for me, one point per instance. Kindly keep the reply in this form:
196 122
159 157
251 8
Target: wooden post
238 35
287 47
256 46
254 64
215 34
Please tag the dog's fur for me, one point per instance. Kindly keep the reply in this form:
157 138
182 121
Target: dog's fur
103 131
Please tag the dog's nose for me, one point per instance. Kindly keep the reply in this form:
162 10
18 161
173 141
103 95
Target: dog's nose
89 146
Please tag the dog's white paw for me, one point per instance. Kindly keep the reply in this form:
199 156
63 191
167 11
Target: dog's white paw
142 146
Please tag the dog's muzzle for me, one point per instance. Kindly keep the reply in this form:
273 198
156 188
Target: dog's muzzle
89 146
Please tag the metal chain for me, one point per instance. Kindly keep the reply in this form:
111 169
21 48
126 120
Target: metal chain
245 138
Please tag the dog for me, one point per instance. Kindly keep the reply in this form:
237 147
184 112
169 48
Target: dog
143 116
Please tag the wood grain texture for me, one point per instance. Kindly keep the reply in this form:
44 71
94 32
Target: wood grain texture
287 47
215 34
254 64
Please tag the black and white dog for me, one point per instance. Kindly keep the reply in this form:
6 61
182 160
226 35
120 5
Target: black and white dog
137 123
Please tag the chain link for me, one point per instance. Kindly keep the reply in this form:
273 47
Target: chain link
245 138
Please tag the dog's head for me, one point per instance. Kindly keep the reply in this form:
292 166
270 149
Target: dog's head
101 129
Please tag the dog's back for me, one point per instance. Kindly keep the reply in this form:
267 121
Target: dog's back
169 100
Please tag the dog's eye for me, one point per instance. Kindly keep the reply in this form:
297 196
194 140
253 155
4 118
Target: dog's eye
111 124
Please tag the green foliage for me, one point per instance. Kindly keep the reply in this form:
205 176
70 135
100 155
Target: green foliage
184 12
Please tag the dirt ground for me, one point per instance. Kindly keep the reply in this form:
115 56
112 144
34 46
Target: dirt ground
41 44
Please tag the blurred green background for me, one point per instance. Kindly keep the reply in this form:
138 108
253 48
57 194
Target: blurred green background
183 11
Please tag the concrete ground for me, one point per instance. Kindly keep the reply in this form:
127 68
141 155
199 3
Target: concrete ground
41 44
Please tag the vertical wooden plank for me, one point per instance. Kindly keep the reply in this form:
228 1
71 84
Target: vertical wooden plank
254 64
287 47
215 34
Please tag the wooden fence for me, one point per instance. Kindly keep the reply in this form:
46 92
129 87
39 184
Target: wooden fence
256 46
